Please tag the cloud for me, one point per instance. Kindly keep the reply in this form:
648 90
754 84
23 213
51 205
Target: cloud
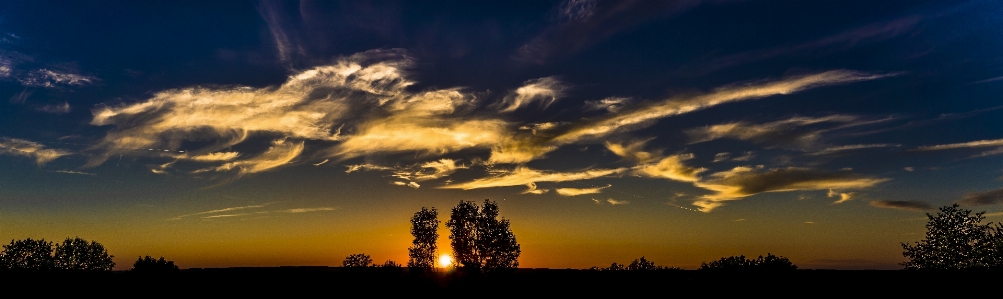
575 10
910 205
51 78
721 157
55 109
611 104
672 168
633 151
909 169
580 191
310 105
72 172
33 150
983 198
307 210
223 210
970 144
523 175
846 39
212 157
745 157
989 80
843 197
744 181
642 116
544 90
531 189
281 153
790 132
843 148
616 202
583 23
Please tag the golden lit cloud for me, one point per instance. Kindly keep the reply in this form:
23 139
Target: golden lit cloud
644 115
580 191
843 197
522 175
24 148
281 153
970 144
672 168
544 90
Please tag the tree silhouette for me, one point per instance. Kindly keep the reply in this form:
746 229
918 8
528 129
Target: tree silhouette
956 239
770 262
480 240
641 264
424 228
463 234
78 254
150 265
359 260
27 254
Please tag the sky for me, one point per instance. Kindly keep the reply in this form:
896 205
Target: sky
284 133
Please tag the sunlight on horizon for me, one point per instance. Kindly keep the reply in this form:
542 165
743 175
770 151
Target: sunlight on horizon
445 261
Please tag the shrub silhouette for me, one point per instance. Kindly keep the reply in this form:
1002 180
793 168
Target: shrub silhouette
955 239
148 264
359 260
769 263
640 264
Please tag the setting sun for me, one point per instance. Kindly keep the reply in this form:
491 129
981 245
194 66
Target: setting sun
445 261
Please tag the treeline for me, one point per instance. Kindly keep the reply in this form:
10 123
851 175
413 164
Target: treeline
74 254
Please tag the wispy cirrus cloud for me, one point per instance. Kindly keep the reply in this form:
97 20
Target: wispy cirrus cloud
983 198
544 90
642 116
908 205
997 143
521 176
583 23
30 149
849 38
250 210
744 181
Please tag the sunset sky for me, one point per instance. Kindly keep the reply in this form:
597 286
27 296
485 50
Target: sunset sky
227 133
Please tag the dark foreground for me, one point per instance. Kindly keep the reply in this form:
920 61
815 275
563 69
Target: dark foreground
379 282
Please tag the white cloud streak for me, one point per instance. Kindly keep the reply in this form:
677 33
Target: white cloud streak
24 148
580 191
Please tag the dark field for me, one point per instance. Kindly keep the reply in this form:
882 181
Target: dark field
339 282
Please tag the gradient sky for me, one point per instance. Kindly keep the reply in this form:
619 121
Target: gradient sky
227 133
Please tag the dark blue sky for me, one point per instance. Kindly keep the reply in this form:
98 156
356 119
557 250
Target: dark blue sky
683 130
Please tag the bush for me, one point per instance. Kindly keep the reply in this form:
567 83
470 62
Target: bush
150 265
769 263
360 260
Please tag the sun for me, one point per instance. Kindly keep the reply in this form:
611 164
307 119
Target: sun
445 261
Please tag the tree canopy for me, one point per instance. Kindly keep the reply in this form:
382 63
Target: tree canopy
956 239
71 254
424 228
27 254
480 240
78 254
